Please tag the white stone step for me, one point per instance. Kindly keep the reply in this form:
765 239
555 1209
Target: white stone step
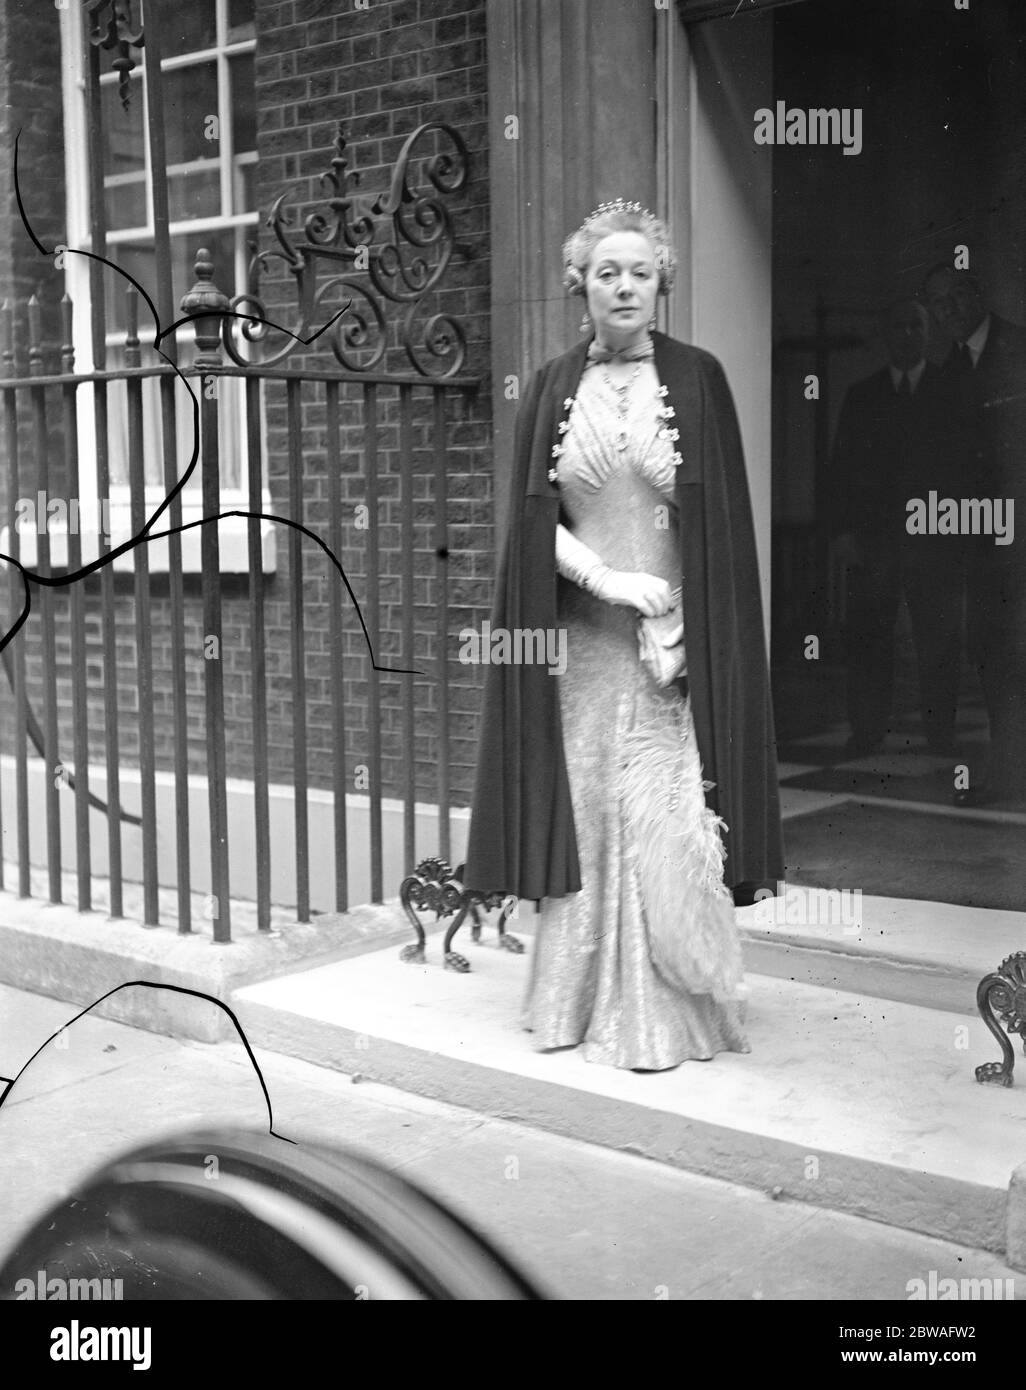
932 954
861 1104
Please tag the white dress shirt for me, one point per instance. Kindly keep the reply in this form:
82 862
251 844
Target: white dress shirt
977 340
914 375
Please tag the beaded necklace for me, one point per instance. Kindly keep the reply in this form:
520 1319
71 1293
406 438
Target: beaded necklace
622 403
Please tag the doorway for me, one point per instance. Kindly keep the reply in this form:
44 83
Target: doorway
943 131
854 225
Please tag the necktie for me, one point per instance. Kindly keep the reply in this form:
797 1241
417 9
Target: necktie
963 357
905 385
639 353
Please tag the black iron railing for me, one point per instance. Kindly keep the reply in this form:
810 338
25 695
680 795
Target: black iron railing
33 407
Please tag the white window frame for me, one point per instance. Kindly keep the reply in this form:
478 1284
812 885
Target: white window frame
233 531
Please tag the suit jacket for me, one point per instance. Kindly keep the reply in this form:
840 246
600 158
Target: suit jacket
887 450
522 838
992 429
1003 351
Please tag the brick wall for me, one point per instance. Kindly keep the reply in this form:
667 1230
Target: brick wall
30 78
383 72
31 111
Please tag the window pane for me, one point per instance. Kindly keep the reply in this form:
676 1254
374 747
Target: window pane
124 131
153 434
190 25
244 190
138 261
240 21
190 95
126 205
242 103
117 420
124 134
196 193
221 246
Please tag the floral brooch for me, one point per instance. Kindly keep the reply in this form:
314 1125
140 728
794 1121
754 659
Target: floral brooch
563 427
667 412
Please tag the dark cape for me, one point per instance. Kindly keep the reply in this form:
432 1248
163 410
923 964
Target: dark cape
522 837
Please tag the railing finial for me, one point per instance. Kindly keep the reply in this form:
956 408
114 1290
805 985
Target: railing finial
68 333
206 304
35 325
7 337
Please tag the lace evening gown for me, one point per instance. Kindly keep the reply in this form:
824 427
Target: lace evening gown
650 851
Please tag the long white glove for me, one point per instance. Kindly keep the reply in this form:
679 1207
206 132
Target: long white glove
649 594
577 562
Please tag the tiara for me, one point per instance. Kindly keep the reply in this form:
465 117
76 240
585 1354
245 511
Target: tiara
617 205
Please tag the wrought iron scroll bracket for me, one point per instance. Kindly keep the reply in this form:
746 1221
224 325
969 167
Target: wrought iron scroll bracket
435 887
1001 1000
372 251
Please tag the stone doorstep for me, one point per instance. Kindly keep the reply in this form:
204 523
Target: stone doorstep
861 1105
930 954
57 951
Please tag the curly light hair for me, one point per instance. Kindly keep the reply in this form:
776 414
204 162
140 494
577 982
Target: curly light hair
612 217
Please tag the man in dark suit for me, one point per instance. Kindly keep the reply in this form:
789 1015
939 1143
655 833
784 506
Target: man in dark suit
985 373
892 445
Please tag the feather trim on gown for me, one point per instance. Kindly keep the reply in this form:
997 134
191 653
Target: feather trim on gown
675 840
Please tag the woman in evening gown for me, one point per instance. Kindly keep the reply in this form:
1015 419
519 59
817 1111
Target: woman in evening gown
642 966
647 842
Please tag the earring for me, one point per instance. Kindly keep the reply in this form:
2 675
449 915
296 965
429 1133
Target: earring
652 323
585 322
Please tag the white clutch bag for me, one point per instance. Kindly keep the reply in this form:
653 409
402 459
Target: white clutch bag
661 643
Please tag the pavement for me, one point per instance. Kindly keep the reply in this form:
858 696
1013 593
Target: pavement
586 1222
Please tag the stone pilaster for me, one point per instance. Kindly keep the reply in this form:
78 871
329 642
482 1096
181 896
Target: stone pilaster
572 123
